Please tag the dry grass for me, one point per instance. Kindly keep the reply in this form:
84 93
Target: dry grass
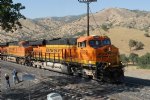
120 38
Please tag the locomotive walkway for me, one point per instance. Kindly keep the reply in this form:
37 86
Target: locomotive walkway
70 87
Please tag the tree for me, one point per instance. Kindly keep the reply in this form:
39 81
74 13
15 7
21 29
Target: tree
146 35
132 43
124 59
105 27
139 45
10 15
133 57
144 61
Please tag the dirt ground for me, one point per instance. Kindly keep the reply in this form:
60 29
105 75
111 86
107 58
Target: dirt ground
134 71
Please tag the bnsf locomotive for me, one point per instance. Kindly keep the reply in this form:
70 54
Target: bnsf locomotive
92 56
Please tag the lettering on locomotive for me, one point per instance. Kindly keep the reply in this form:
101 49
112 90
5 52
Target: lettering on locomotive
84 52
50 50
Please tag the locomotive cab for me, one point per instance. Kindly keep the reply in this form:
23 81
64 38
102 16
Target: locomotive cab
99 58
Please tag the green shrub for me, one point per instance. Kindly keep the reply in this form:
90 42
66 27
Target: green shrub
105 27
136 44
124 58
139 46
132 43
133 57
146 35
144 61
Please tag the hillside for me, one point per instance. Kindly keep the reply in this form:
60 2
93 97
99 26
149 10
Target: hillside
124 25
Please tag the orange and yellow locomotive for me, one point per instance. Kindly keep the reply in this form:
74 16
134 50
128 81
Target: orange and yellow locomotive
92 56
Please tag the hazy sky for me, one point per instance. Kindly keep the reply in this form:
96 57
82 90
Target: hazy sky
49 8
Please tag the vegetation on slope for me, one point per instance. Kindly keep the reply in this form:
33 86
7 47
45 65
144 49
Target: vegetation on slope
141 61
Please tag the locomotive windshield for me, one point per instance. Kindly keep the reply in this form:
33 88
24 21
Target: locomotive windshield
106 42
95 43
99 43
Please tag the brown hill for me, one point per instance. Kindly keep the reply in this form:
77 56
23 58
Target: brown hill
124 25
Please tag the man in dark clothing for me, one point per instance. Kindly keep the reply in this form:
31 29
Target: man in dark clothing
7 80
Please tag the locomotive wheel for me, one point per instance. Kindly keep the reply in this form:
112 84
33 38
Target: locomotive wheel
40 67
1 58
84 74
73 70
17 60
76 71
69 69
115 76
21 61
30 64
99 75
35 66
5 58
119 76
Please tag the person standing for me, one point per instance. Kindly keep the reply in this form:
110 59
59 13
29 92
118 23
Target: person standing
15 76
7 80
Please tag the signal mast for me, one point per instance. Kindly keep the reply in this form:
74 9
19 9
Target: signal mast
88 3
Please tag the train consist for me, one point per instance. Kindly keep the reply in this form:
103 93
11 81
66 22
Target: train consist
92 56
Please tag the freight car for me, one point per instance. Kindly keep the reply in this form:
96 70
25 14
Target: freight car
3 50
15 51
90 56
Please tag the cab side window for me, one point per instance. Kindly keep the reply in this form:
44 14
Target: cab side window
106 42
82 44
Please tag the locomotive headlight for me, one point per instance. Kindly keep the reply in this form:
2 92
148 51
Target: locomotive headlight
90 62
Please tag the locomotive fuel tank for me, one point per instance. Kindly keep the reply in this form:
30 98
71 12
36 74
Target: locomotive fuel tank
56 67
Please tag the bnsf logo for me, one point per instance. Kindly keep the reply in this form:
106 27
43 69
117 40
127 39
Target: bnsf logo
52 50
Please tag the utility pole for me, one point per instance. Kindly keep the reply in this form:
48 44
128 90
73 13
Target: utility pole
88 3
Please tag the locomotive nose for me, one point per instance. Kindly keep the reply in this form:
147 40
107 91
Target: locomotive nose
107 54
107 49
110 49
